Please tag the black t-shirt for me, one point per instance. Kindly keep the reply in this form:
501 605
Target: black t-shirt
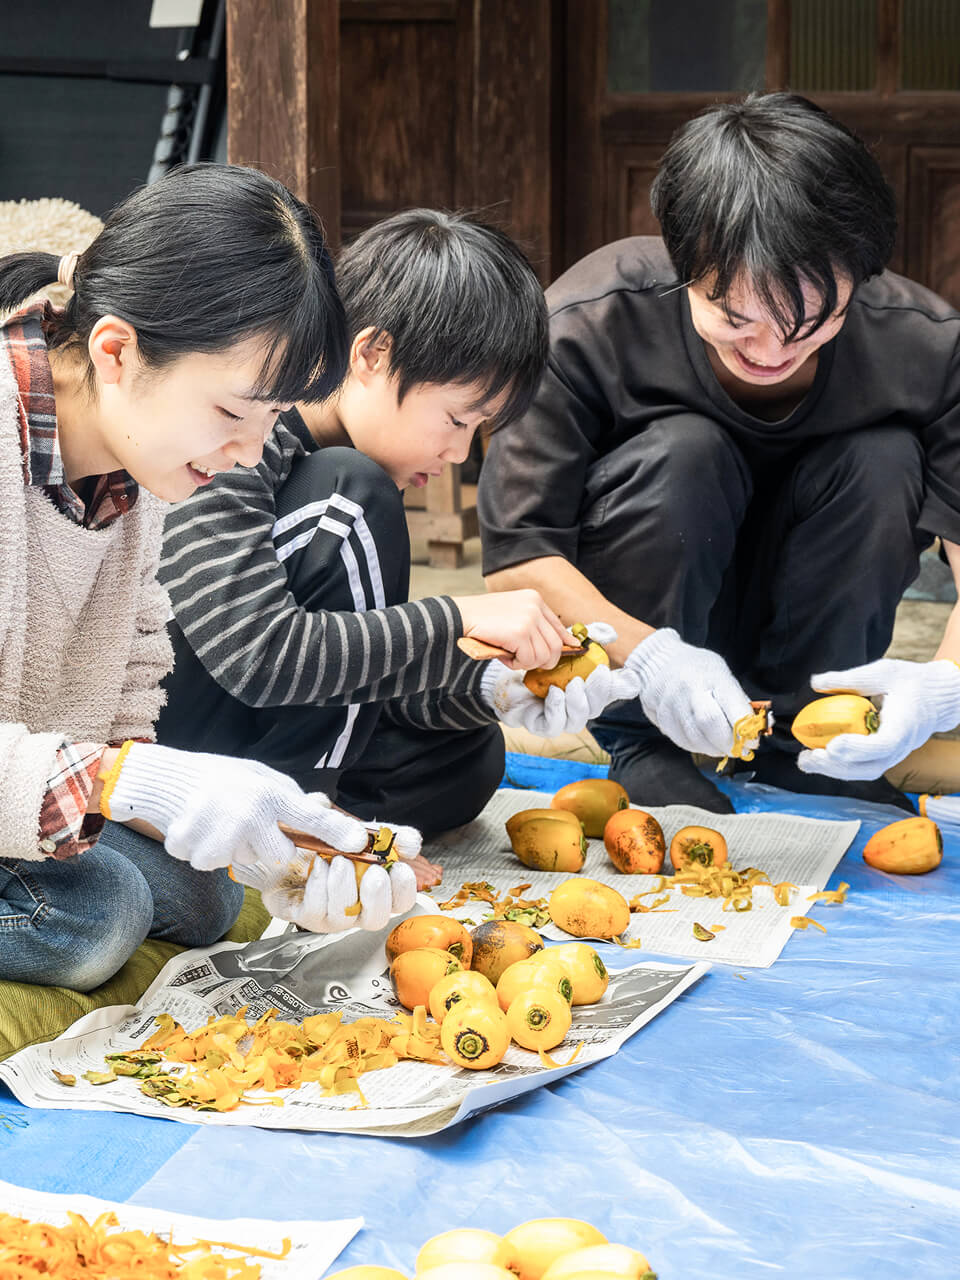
624 353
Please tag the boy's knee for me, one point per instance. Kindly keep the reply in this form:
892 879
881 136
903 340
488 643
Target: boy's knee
341 474
88 947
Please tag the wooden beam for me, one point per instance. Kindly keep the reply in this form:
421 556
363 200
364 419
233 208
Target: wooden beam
283 97
778 45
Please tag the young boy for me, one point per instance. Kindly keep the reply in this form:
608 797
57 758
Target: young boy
295 644
746 434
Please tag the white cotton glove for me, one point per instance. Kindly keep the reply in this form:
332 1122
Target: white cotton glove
916 699
690 694
562 710
214 810
316 894
331 888
941 808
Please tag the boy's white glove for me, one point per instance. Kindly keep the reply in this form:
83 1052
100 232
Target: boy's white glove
689 693
562 710
214 810
916 700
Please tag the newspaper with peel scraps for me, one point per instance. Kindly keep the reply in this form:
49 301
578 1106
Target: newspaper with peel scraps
800 851
301 974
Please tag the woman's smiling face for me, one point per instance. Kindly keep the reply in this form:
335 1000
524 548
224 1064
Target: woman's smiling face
747 340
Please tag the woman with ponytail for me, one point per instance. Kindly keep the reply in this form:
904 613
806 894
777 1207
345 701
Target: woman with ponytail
205 306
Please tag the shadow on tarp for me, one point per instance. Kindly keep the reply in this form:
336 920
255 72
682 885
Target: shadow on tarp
798 1121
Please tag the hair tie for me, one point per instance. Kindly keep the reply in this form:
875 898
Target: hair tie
68 265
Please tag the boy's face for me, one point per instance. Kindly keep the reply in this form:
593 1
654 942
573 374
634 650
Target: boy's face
412 440
747 340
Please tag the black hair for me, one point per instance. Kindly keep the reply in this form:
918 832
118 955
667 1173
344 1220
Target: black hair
458 300
775 190
206 257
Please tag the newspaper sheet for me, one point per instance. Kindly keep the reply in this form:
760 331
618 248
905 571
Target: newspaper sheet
804 851
300 974
313 1245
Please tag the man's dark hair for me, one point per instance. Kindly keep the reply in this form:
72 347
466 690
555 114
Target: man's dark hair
774 190
208 256
458 300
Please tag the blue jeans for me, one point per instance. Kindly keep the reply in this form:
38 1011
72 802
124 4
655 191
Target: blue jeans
75 923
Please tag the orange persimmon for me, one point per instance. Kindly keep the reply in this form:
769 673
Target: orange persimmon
430 931
414 974
910 847
634 840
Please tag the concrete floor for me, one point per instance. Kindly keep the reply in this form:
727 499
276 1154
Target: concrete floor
916 635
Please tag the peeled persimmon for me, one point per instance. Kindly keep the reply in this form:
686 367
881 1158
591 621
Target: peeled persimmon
634 840
700 845
463 988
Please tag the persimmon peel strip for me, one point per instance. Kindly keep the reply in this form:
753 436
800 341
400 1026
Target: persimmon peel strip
96 1251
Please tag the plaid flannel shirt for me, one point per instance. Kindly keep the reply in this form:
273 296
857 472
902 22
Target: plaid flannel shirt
65 827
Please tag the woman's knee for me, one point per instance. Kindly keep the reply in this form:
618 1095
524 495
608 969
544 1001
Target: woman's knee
206 912
90 915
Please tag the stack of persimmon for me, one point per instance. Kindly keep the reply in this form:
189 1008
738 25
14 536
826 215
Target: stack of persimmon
517 990
542 1249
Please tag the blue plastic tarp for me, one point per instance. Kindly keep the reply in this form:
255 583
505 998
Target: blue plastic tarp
798 1121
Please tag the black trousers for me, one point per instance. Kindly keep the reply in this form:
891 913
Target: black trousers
785 567
431 779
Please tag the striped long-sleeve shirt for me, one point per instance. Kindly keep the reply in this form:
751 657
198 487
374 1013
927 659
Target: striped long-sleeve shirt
230 596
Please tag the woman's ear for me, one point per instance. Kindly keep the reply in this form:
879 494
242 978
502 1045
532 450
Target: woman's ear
112 347
370 354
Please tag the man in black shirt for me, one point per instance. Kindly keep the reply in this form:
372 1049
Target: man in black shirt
746 434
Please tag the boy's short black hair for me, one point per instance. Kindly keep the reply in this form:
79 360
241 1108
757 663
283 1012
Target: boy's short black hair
775 190
458 299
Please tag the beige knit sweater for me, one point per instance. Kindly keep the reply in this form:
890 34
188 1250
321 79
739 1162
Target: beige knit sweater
83 642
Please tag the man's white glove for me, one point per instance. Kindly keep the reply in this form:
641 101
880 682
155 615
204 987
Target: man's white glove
331 890
562 710
916 699
941 808
214 810
690 694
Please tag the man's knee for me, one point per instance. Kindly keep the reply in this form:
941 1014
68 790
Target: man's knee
881 464
681 472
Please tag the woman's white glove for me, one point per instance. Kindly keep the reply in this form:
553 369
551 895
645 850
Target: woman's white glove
916 700
562 710
331 890
213 811
690 694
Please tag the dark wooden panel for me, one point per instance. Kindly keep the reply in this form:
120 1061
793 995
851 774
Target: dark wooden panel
630 171
399 118
283 95
933 222
511 119
586 43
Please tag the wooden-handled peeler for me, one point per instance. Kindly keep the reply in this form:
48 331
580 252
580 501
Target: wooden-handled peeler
480 650
379 848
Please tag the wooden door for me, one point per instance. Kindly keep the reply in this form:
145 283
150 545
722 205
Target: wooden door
890 69
364 107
